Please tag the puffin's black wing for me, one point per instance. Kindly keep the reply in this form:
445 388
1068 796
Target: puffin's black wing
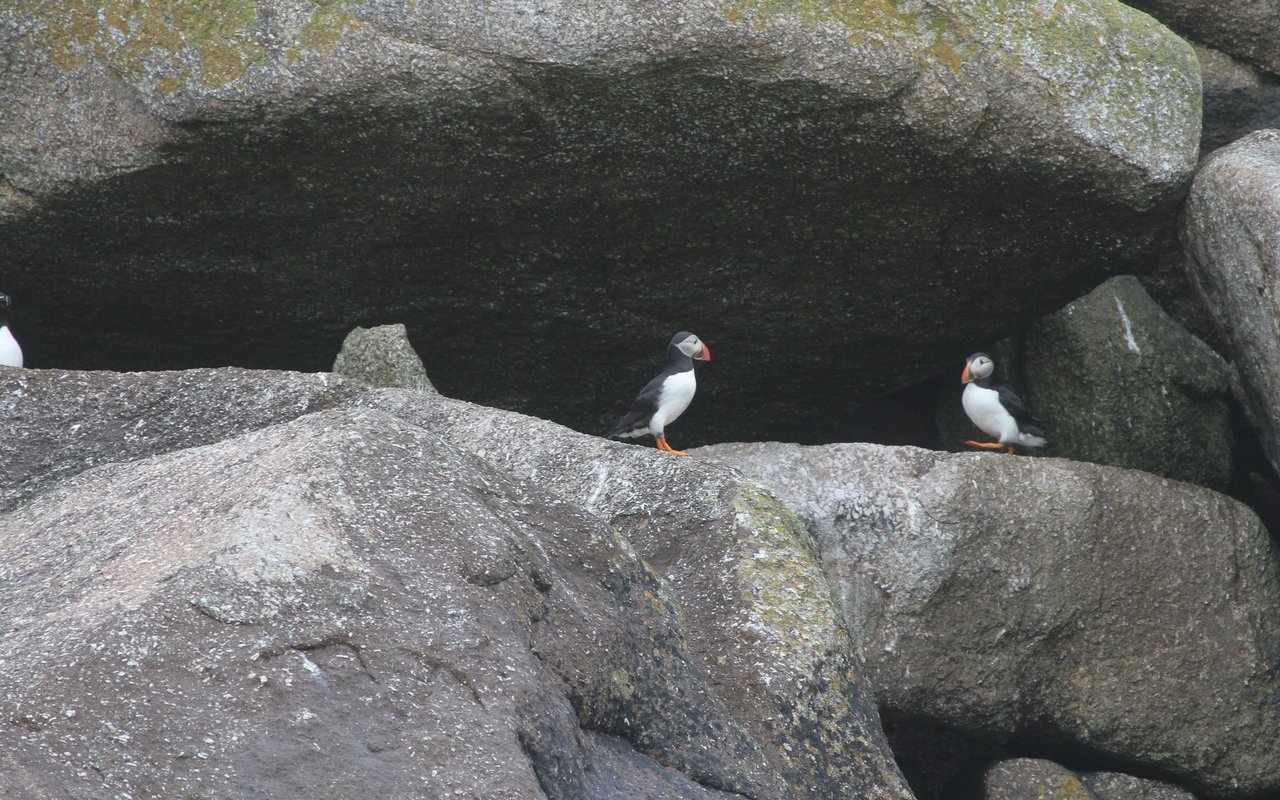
642 409
1014 405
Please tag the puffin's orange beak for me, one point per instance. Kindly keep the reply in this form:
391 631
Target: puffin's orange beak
704 354
966 376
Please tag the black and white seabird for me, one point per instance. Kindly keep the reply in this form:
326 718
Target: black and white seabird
996 409
667 396
10 352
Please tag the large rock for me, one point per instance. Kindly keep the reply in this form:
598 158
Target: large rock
382 357
1040 600
344 604
1038 779
1033 779
1246 29
761 617
1118 382
55 424
1238 99
1118 786
760 629
1231 233
547 193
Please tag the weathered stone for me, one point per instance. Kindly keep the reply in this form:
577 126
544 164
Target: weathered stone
764 627
1033 779
1118 786
1246 29
1238 99
532 189
1018 599
1231 233
1118 382
760 616
382 357
344 603
55 424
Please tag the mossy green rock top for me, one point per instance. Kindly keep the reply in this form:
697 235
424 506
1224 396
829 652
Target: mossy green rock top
239 182
1020 601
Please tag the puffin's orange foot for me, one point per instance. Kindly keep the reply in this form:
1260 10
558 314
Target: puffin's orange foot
662 445
1009 452
988 445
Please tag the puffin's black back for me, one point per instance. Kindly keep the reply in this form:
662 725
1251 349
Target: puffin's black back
1014 405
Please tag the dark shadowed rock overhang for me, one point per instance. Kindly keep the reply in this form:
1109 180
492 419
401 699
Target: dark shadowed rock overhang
832 195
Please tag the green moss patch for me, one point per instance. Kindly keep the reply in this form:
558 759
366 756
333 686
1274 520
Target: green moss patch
170 41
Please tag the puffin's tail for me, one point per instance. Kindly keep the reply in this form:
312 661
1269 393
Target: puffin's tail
1034 432
625 426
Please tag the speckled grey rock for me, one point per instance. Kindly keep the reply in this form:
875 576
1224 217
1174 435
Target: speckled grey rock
382 357
1246 29
1033 779
761 618
55 424
344 605
1238 99
1231 234
547 192
1017 598
1118 382
1118 786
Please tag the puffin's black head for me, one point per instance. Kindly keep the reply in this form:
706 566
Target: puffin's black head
976 367
690 345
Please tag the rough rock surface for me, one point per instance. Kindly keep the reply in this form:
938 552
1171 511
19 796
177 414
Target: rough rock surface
1238 99
55 424
1118 382
1246 29
1033 779
383 357
344 604
1042 600
546 193
1231 233
1118 786
761 617
326 544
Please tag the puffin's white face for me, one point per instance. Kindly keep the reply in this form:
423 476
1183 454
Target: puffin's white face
693 347
979 365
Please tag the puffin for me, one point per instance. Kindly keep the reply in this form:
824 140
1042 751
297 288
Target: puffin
996 409
665 398
10 352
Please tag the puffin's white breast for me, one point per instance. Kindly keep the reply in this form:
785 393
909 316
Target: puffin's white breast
10 352
984 408
677 393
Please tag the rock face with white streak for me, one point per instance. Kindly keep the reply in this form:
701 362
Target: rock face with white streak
1118 382
1231 235
1017 599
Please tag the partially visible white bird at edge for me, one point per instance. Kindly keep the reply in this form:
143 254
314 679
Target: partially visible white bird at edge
10 351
